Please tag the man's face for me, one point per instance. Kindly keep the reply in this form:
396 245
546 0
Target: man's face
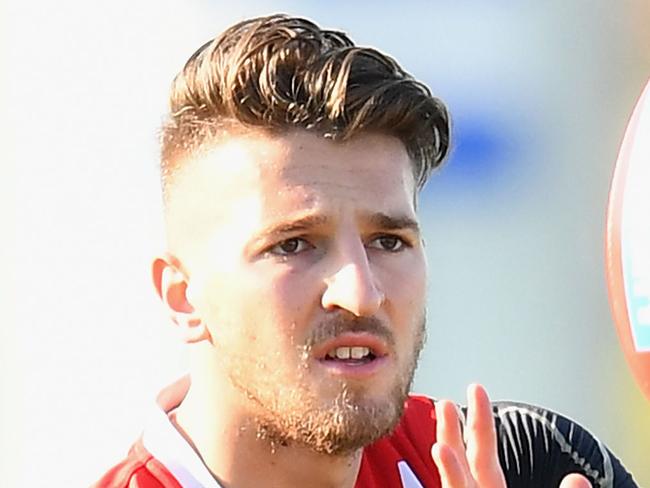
306 264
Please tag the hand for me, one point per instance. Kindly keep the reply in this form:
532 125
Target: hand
476 465
475 462
575 480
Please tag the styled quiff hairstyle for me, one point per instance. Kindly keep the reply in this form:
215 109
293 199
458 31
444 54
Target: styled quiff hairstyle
279 73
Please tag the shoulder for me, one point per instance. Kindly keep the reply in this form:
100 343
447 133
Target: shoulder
537 447
540 444
139 469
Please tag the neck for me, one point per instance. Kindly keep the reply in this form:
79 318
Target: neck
222 433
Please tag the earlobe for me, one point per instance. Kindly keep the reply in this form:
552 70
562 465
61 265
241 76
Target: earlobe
171 284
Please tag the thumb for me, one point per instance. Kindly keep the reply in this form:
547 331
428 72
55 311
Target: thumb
575 480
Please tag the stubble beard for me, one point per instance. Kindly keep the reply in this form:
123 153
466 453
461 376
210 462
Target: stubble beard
291 415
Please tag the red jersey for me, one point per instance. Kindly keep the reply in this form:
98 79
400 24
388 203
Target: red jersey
161 458
536 447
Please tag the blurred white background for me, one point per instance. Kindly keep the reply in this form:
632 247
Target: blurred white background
540 93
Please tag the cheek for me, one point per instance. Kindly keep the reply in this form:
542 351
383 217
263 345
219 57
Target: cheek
289 296
228 303
269 305
405 285
406 300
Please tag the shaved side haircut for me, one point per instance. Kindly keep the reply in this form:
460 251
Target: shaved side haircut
275 74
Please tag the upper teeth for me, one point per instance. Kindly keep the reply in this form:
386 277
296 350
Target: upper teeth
349 352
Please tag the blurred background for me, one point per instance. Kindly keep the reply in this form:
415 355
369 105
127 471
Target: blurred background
539 92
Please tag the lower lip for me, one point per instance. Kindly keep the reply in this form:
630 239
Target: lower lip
354 371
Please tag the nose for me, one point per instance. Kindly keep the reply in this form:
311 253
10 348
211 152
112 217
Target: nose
353 287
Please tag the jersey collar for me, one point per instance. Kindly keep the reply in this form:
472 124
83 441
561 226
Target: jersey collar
168 446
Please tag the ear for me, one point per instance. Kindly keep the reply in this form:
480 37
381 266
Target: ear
171 283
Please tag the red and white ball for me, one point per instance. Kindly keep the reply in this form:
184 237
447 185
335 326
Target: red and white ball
628 243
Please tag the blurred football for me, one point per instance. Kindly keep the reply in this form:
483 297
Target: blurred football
628 243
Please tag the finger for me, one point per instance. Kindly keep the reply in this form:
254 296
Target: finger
452 473
448 431
575 480
480 434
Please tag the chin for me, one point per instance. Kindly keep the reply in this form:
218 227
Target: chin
339 426
357 419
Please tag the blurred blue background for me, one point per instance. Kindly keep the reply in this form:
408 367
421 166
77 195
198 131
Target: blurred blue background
539 92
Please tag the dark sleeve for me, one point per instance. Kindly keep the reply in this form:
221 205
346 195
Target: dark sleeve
538 448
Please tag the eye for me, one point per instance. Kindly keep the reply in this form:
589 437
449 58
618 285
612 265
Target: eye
291 246
389 243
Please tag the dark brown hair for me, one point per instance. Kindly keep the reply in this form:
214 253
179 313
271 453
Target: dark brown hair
279 73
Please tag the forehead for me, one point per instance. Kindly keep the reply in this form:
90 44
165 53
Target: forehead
306 169
259 177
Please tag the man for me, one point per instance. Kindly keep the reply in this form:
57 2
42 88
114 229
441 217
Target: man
296 274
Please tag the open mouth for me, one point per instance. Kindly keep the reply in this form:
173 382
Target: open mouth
351 354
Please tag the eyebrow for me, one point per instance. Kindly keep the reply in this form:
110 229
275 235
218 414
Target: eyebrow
309 222
298 225
389 222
